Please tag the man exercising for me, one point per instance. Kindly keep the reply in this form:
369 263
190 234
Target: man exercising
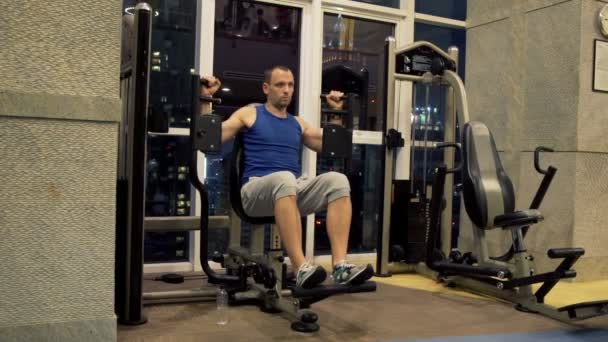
274 186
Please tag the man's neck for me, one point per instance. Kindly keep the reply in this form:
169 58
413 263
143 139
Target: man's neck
281 113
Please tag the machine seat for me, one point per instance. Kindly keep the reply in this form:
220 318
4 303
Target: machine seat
518 218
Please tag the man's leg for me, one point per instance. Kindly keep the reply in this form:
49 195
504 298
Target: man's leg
287 217
275 194
339 214
331 190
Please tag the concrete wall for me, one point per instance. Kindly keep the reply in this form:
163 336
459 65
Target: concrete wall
529 70
59 113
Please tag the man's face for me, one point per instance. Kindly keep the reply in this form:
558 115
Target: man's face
280 89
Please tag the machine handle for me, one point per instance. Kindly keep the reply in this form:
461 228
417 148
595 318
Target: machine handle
343 97
537 152
458 148
205 82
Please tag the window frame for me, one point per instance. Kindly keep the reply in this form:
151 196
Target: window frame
311 40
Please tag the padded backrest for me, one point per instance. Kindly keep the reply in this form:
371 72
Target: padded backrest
487 190
237 162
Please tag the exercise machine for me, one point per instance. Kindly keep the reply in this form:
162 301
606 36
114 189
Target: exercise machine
489 199
416 63
510 276
130 184
249 275
254 273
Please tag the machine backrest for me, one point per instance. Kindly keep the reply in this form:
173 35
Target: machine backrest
487 190
237 161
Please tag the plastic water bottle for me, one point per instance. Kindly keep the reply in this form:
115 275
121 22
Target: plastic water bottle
222 307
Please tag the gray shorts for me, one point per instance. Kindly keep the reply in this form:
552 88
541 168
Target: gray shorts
313 194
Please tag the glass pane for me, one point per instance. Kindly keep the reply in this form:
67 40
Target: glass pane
168 189
454 9
251 37
426 160
429 109
354 62
168 193
444 37
365 174
429 115
217 172
168 185
173 47
162 247
386 3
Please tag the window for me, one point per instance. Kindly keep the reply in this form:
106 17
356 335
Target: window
444 37
168 190
428 122
357 45
453 9
354 62
429 114
250 37
386 3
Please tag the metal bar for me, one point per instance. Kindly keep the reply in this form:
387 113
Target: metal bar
194 299
256 246
420 43
433 230
275 238
449 128
404 77
462 105
538 278
183 223
131 201
501 273
190 293
542 188
384 232
235 229
547 286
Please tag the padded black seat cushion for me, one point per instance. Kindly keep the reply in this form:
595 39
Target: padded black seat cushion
518 218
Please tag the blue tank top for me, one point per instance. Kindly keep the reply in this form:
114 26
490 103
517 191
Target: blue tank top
272 144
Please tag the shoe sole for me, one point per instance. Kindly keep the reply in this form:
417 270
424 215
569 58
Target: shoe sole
314 279
360 277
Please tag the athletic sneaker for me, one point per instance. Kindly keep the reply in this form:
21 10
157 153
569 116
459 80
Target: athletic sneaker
346 273
309 276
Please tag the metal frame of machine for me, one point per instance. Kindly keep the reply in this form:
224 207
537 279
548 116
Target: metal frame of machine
509 277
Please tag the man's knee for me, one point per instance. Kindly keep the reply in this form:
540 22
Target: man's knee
284 184
336 186
336 181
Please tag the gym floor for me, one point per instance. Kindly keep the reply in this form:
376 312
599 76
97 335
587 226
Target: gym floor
404 308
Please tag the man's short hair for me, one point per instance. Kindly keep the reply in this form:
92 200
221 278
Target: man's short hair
268 72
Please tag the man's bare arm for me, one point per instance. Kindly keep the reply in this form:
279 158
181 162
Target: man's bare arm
312 137
237 121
